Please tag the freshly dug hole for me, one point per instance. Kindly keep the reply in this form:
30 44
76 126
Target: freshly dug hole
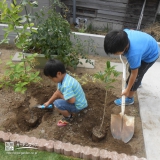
31 120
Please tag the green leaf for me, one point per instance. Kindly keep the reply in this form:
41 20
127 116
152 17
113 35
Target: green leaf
34 4
23 19
108 64
12 5
15 2
18 89
24 2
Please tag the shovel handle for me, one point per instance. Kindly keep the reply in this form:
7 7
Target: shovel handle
123 85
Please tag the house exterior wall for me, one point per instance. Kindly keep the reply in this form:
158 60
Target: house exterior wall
133 13
158 11
100 13
115 14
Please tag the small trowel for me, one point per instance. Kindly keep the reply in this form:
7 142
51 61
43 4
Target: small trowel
43 106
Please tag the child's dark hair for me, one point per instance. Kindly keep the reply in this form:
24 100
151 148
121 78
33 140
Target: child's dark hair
52 67
115 41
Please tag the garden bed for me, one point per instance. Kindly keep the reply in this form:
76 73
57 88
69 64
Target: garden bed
15 108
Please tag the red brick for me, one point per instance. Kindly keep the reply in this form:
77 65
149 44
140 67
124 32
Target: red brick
104 155
95 153
76 150
85 153
6 137
50 146
58 147
41 144
115 155
135 158
67 149
1 136
22 139
32 142
122 156
14 138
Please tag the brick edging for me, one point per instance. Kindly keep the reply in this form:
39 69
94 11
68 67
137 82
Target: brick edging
68 149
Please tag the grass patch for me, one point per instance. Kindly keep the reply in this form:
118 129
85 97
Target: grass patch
28 154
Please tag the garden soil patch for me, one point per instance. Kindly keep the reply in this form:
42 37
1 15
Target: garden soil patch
19 114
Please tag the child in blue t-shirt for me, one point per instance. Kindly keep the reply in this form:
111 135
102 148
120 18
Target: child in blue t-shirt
141 51
69 97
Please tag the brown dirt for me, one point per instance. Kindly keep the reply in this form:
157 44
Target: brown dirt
17 109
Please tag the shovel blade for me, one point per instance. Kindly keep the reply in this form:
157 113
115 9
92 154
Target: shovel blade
127 128
122 127
116 126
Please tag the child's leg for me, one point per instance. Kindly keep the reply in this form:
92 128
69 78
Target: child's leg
65 109
65 113
142 70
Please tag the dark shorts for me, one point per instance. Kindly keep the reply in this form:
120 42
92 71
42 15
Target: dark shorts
61 104
141 71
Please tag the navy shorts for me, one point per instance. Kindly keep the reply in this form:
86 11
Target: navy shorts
62 104
141 71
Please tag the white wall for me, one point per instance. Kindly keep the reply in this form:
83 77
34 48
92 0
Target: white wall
98 40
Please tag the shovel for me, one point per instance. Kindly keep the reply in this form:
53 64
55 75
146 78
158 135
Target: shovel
122 126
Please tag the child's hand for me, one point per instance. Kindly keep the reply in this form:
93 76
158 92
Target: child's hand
46 104
125 92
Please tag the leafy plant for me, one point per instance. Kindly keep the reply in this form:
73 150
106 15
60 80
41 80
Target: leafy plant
11 16
106 28
83 48
19 76
53 32
53 36
90 28
108 77
82 29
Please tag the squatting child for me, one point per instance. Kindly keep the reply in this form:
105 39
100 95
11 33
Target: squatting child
141 51
69 97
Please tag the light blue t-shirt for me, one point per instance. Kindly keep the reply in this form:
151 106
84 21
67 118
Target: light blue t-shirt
143 47
70 87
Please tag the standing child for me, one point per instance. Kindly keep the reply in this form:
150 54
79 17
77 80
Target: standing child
69 97
141 51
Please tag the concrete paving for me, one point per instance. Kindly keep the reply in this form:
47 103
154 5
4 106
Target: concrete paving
149 102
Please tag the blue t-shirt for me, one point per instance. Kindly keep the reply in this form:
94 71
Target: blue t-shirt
70 87
143 47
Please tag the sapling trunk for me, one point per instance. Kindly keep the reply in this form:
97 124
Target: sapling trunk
104 109
108 77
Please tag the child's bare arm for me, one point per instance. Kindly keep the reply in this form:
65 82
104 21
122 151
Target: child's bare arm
57 94
132 79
